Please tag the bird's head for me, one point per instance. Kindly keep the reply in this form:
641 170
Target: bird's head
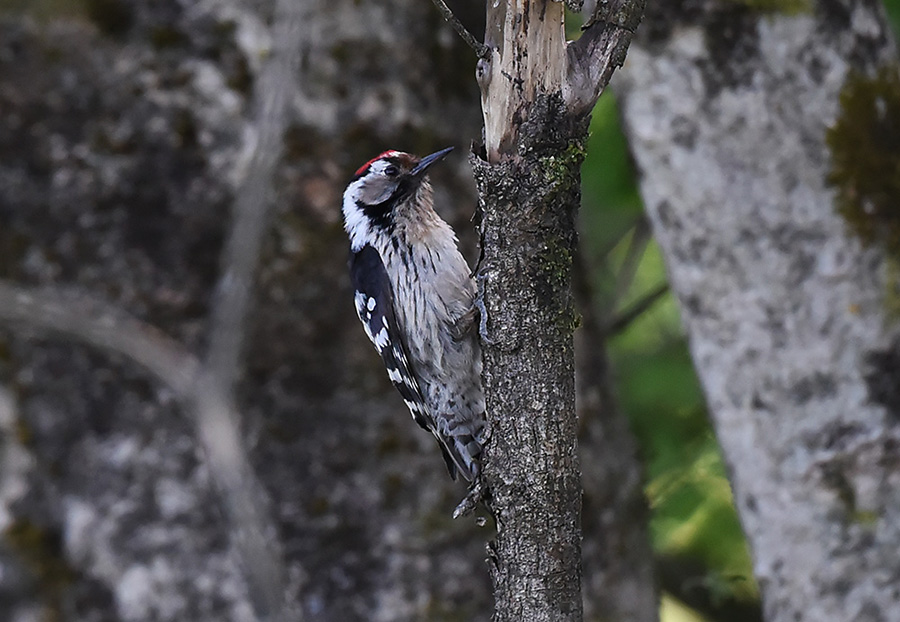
380 186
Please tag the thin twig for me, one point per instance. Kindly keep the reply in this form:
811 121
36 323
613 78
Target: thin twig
620 323
217 415
481 49
81 318
274 88
610 245
636 247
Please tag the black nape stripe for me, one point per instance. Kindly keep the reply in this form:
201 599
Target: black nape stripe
380 214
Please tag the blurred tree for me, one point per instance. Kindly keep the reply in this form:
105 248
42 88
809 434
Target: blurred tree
788 313
701 553
126 134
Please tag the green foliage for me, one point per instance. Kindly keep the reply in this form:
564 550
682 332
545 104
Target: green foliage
783 7
865 157
693 514
610 196
893 11
559 169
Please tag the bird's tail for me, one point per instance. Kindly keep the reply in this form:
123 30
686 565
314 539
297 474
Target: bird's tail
461 449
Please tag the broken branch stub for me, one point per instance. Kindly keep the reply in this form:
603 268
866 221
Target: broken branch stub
527 44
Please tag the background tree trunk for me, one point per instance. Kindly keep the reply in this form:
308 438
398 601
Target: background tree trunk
618 563
124 136
787 310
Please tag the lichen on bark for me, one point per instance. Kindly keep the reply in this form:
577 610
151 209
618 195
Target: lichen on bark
865 156
531 468
783 308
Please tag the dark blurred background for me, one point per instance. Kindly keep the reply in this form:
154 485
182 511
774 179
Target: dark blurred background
124 128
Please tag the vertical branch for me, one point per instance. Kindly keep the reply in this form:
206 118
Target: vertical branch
618 559
531 471
214 405
233 298
536 94
243 498
528 181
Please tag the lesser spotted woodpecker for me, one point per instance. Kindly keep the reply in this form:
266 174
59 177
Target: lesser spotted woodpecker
415 298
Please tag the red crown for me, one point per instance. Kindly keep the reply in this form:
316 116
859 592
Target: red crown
386 154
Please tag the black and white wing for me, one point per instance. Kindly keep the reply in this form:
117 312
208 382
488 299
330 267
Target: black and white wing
375 308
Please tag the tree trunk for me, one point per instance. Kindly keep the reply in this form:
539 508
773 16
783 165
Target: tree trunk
618 562
536 96
531 461
787 309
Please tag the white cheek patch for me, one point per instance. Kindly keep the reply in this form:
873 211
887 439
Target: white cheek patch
355 222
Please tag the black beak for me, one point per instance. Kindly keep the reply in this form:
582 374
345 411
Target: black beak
428 160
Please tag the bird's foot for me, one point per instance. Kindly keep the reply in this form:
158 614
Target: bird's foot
473 497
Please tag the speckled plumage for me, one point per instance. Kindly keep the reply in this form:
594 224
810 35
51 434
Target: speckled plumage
415 298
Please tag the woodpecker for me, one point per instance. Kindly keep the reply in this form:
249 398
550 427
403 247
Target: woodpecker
415 297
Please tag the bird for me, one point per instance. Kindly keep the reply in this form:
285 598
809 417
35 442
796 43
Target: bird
415 296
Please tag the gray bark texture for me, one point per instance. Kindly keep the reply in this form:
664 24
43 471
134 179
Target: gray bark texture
127 139
727 112
531 461
537 92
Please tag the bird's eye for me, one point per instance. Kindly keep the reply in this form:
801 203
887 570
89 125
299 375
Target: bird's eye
390 170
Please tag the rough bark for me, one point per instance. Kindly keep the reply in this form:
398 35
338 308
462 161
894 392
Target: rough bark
531 462
536 94
727 110
528 240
